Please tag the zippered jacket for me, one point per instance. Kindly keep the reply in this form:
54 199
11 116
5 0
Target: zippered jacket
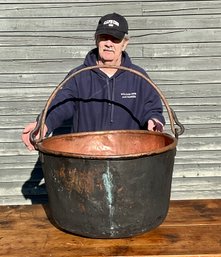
96 102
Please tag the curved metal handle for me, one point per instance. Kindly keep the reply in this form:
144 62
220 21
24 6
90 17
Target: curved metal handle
35 131
172 116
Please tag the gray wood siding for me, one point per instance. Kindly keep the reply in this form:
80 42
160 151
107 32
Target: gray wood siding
177 42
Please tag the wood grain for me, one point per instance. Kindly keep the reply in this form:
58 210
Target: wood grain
192 228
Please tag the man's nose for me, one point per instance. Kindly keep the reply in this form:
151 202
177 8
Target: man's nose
109 42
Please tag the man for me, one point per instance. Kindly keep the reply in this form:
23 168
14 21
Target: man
105 98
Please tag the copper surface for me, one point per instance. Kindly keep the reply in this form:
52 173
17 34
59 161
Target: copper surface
108 144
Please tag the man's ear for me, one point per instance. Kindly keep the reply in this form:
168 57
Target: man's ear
125 44
96 40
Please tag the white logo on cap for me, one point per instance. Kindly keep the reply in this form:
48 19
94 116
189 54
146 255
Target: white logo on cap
111 23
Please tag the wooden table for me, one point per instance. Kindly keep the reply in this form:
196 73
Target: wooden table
192 228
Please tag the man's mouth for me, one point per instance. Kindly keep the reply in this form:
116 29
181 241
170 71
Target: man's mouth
109 50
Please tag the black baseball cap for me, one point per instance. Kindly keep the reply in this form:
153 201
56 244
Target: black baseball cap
112 24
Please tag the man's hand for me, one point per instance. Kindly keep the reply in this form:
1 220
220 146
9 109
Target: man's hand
26 135
155 125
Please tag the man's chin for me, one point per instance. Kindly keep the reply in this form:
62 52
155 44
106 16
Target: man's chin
108 61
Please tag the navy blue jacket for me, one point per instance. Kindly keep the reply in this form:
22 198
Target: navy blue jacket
96 102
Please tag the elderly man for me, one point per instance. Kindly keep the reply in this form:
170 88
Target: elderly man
105 98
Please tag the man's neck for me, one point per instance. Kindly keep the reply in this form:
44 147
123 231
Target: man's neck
109 71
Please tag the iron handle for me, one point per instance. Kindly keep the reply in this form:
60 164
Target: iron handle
41 121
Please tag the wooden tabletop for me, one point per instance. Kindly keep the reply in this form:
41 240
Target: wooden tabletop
192 228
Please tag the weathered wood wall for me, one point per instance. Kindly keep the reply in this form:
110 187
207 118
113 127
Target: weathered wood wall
177 42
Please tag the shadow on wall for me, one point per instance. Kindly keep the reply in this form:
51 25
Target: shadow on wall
34 188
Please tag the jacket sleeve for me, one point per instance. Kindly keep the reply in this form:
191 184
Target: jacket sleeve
153 108
62 107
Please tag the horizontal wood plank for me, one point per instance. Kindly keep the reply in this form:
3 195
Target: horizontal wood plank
20 199
74 1
185 184
33 172
203 194
197 144
182 179
182 157
191 131
39 93
65 9
137 37
210 118
149 64
136 23
24 107
75 9
169 78
135 51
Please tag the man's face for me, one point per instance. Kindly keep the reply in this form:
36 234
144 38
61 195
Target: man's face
110 48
